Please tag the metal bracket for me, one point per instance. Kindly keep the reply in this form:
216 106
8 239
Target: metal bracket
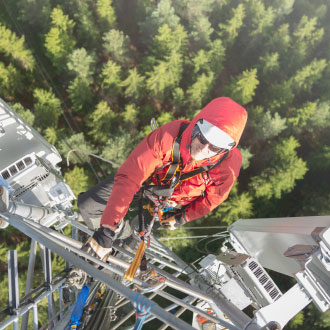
300 252
232 258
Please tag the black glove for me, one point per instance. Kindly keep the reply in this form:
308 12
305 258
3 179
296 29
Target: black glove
100 244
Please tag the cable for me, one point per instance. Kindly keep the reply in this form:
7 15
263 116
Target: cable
193 228
89 154
206 244
220 235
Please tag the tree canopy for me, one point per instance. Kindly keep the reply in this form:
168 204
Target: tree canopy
91 75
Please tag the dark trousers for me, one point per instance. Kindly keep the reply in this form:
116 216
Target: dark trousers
91 205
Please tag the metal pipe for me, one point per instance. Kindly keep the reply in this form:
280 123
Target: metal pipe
23 226
29 279
13 285
37 213
35 317
80 226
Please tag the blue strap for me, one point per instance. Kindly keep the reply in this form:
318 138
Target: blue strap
142 306
79 307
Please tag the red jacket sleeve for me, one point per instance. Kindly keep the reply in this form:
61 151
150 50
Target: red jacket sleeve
139 165
222 180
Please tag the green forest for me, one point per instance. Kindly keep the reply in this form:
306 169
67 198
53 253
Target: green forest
91 74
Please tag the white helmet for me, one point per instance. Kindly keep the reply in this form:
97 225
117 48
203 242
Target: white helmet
215 135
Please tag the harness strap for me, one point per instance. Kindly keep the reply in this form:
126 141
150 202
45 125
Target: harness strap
176 157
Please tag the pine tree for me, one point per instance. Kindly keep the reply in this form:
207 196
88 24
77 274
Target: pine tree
209 61
77 180
164 13
305 78
200 91
116 44
34 13
281 176
280 39
216 56
201 32
51 135
165 118
10 81
246 156
102 122
81 64
165 75
282 7
200 62
80 94
26 114
261 18
111 78
106 12
134 84
169 40
119 146
320 118
270 126
178 97
269 64
307 36
237 206
279 95
59 41
86 27
229 31
242 87
47 108
14 47
300 116
189 10
131 115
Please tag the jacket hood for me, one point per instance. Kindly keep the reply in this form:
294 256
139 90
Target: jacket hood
222 112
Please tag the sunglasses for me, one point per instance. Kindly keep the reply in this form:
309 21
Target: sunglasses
211 147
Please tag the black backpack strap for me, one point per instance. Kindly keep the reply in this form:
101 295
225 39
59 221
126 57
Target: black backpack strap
176 157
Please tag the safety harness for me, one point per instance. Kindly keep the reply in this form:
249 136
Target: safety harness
172 178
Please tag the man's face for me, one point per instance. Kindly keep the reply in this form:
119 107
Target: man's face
201 149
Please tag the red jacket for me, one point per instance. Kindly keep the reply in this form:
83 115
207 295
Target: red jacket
202 193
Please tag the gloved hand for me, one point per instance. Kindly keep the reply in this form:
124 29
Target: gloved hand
172 222
100 244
